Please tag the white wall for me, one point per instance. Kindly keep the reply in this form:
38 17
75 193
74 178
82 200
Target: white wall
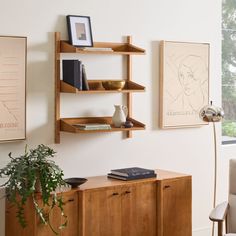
184 150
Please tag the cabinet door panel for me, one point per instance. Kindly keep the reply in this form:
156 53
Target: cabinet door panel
177 207
71 211
139 210
102 212
12 225
55 221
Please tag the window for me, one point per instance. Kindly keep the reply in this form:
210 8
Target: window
229 71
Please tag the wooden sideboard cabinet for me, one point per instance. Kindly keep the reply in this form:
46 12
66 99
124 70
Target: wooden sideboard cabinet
102 207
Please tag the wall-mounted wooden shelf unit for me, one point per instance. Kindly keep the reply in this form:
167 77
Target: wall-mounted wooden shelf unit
124 49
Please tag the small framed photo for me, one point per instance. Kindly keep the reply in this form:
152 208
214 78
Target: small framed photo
79 30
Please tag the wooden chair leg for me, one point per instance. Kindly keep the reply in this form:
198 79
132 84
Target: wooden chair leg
220 228
226 224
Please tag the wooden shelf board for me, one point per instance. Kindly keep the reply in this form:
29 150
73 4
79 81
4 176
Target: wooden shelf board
118 48
96 87
67 124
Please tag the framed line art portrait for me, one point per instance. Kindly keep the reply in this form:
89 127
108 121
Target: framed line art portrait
184 83
79 31
12 88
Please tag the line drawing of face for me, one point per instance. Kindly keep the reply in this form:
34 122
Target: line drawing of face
191 73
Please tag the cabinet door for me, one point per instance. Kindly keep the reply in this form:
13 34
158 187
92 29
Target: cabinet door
177 219
139 210
55 222
102 213
71 211
56 219
12 225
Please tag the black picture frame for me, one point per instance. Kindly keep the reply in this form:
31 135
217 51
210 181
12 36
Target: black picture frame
79 31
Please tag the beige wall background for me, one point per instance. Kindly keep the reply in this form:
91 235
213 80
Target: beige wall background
184 150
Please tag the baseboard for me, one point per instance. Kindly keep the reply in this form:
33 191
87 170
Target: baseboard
202 231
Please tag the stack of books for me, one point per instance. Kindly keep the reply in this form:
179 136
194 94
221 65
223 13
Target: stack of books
74 74
131 173
93 126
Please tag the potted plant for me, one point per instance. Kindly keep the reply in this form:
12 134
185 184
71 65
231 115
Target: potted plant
25 174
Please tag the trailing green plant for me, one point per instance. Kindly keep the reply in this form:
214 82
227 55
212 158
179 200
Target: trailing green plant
27 171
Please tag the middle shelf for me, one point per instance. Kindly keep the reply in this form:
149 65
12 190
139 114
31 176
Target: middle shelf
95 86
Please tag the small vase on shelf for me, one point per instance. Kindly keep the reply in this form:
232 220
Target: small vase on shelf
119 116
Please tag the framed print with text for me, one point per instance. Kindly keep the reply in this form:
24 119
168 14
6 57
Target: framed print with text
12 88
184 83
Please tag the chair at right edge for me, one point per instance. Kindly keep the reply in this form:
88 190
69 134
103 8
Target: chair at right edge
226 211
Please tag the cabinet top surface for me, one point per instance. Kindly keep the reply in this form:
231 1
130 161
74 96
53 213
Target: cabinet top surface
97 182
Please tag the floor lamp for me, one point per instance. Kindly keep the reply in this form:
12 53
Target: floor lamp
211 113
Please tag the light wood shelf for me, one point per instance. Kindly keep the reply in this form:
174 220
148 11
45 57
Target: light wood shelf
67 124
126 49
118 48
95 86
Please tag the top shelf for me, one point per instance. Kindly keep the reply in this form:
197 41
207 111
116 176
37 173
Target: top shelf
118 48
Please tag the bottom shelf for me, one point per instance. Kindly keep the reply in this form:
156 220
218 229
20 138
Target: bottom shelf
68 124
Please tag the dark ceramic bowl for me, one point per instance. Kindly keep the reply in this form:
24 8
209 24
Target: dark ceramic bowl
75 182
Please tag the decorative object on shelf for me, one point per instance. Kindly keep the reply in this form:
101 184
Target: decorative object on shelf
184 83
211 113
119 116
128 124
79 30
85 84
93 126
72 73
32 172
75 182
13 88
98 49
113 84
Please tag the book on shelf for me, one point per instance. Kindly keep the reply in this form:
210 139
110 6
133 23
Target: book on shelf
113 176
93 126
85 84
97 49
72 73
132 171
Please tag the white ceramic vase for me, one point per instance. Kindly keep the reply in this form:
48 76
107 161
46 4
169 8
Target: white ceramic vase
119 116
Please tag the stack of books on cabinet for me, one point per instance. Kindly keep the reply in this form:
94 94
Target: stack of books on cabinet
131 173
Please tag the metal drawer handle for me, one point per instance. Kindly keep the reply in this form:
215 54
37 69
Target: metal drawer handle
127 192
114 194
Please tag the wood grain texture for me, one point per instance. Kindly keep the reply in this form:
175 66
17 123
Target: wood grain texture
138 207
102 212
129 78
177 215
95 86
118 49
67 124
57 87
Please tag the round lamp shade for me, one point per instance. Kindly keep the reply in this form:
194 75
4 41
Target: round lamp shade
211 113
